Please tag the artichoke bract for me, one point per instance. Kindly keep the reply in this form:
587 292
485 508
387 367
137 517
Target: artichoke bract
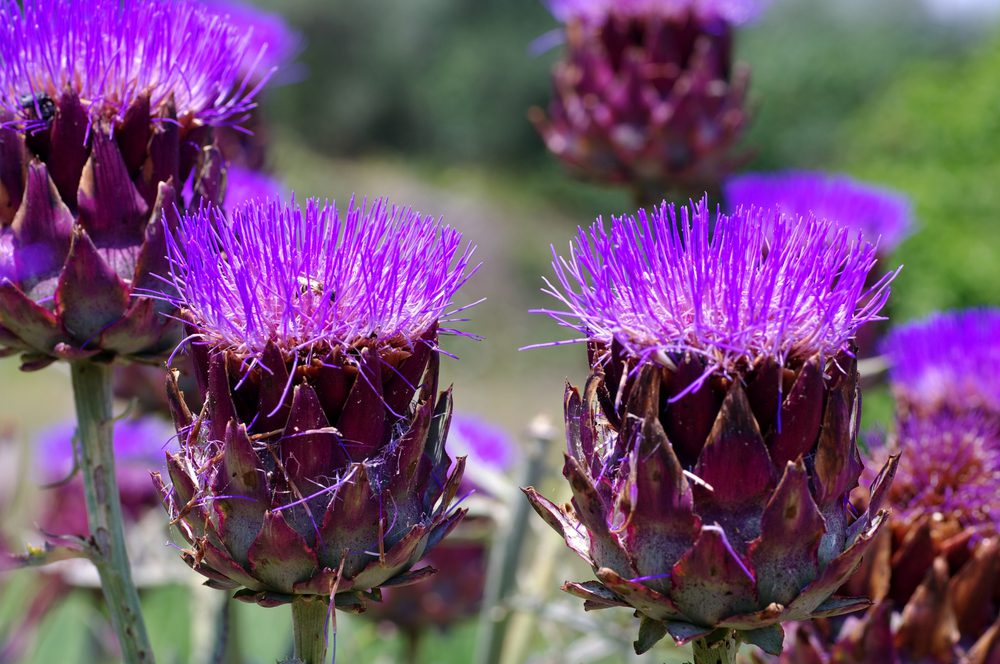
456 595
106 110
713 448
647 95
317 466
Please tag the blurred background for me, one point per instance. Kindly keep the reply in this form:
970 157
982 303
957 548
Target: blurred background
425 101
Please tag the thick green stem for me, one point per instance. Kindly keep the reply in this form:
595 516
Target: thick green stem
95 429
310 616
722 651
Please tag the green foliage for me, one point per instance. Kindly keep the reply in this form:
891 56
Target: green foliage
935 134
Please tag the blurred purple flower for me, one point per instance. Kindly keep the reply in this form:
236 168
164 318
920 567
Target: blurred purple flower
244 185
139 450
484 443
270 35
318 464
949 360
884 216
731 11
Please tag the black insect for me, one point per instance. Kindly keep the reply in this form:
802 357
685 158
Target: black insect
38 107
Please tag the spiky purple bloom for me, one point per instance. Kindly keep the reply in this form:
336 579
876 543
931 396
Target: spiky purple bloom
309 278
949 360
884 216
106 109
113 54
950 466
732 290
317 466
713 449
595 11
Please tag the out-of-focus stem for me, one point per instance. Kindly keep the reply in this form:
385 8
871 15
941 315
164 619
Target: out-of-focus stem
95 428
720 652
310 616
505 558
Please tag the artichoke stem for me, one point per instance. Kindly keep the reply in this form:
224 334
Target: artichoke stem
310 617
95 429
722 651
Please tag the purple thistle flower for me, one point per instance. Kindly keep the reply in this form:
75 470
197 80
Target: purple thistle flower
484 443
949 360
269 33
884 216
732 290
318 461
595 11
950 467
111 54
314 277
139 445
713 449
244 185
647 95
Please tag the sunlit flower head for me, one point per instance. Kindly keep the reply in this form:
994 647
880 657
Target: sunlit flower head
112 53
731 288
315 276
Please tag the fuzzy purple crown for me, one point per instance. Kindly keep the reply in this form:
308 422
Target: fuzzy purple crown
731 288
313 276
111 53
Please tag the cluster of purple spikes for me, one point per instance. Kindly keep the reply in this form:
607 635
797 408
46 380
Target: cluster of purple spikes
314 277
595 11
949 360
884 216
729 288
177 53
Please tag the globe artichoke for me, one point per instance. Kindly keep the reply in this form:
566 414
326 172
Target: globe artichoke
646 95
317 466
713 448
94 151
456 595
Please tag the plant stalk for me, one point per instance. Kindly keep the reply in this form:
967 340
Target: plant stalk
505 560
310 617
95 429
722 651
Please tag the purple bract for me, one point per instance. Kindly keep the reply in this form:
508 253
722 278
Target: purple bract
884 216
